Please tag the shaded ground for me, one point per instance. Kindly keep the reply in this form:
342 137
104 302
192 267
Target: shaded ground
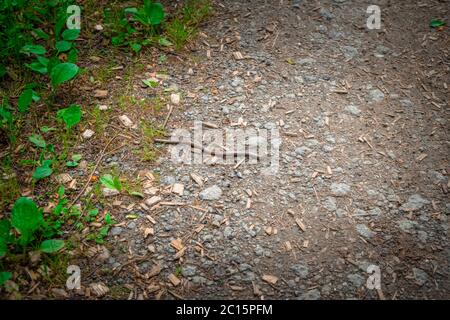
363 117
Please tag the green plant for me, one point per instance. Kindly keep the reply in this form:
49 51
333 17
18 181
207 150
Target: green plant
111 182
70 115
74 161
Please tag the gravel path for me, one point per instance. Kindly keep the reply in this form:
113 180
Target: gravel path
363 171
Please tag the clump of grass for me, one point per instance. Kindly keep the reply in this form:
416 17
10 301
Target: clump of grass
186 22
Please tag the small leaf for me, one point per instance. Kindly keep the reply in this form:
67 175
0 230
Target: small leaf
70 34
436 23
164 42
25 100
76 157
5 276
63 45
34 48
131 216
41 34
46 129
63 72
70 116
150 83
51 246
37 140
136 47
2 70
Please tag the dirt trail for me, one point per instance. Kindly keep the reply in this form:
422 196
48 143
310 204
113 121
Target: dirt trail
363 176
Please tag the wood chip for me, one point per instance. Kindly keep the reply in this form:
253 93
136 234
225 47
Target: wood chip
178 188
148 232
270 279
288 246
101 94
198 179
99 289
237 55
174 280
300 224
153 200
156 269
177 244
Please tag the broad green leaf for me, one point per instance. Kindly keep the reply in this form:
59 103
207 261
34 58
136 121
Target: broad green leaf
63 72
111 182
5 276
51 246
70 116
43 171
25 100
26 218
63 45
70 34
34 48
155 13
37 140
108 218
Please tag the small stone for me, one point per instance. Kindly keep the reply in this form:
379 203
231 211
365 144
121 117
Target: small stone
350 52
339 189
414 203
376 95
364 231
175 98
300 270
98 27
189 271
228 232
88 133
103 107
313 294
420 276
330 204
353 110
406 225
356 279
115 231
301 151
211 193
